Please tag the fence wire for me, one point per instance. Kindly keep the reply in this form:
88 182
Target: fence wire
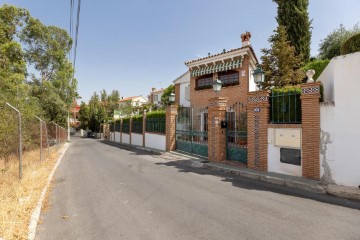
33 134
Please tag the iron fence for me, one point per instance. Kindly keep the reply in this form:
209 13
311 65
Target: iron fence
156 125
137 125
285 106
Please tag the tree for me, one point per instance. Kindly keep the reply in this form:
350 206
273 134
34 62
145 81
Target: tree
84 115
281 64
331 45
294 16
165 97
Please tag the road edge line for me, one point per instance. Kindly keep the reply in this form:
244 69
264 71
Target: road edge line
35 215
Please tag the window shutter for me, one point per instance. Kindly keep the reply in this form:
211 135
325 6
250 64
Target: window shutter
187 93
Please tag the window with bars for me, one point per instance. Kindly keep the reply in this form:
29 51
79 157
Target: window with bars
229 78
204 82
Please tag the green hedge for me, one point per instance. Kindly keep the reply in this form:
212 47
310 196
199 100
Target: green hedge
137 124
126 125
351 45
156 122
317 65
117 125
156 114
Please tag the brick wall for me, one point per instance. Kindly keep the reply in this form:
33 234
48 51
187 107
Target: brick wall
233 93
171 113
310 107
258 119
216 135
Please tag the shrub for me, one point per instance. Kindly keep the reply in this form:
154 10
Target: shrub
156 114
317 65
351 45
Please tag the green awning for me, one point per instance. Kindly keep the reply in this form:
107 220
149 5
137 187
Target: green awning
216 68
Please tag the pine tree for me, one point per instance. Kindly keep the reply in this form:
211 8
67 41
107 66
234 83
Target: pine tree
281 64
294 16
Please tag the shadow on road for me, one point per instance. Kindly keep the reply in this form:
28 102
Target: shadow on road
243 182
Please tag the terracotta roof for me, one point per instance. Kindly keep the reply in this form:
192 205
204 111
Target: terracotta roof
128 98
232 50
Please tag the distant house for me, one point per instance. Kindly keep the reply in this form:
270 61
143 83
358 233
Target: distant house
135 101
233 68
74 115
155 96
182 89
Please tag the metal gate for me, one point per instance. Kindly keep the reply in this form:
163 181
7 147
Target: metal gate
192 130
236 133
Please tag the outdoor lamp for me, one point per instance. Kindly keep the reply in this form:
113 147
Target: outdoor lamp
172 97
217 85
259 75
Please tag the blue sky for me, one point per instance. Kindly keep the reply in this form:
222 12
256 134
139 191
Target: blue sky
135 45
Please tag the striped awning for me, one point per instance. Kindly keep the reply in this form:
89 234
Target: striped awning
217 68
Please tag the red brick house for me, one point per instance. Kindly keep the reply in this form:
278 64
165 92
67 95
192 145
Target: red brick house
232 67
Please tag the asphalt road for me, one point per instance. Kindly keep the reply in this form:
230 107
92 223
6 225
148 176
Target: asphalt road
103 192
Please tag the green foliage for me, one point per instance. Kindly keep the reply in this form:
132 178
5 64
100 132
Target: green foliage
138 118
351 45
318 65
166 94
280 63
156 114
294 16
331 45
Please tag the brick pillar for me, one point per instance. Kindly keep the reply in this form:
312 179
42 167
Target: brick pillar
257 133
130 126
171 113
144 127
121 126
310 121
216 134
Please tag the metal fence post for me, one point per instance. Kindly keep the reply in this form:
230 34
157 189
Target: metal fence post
41 143
20 139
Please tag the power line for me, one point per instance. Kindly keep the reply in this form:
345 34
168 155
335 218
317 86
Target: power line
77 30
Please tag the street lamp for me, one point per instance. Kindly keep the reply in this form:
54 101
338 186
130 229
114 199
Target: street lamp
172 98
259 76
217 84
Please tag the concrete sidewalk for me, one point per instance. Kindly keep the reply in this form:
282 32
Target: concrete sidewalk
270 177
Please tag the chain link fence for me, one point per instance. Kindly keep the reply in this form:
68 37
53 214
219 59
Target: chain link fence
20 133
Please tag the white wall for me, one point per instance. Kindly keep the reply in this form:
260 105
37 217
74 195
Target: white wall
252 84
183 101
156 141
117 136
136 139
339 122
126 138
274 164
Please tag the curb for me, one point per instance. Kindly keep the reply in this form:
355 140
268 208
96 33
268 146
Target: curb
342 191
270 179
35 215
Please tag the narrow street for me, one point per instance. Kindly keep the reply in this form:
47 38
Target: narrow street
104 192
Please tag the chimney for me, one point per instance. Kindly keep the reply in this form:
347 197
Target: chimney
153 89
245 39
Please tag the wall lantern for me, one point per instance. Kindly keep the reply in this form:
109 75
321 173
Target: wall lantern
172 97
217 85
259 76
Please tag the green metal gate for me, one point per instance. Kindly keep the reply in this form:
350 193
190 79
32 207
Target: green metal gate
192 130
236 133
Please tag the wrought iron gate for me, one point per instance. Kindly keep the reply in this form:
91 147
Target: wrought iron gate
192 130
236 133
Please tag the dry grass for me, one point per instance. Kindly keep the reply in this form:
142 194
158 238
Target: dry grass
19 198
